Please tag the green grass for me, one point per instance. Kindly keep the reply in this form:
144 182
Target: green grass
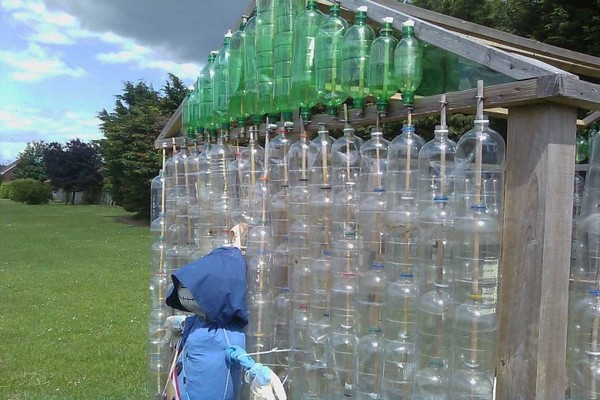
73 301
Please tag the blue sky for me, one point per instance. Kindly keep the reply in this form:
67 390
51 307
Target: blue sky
62 61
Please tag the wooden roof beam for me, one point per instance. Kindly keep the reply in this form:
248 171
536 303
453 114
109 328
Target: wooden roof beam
512 65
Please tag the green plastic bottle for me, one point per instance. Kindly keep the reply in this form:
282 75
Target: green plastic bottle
285 14
328 59
304 94
265 43
193 109
356 52
205 90
250 79
381 66
186 124
408 66
236 75
221 88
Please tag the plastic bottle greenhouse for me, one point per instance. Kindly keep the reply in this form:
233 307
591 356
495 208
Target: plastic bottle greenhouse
380 264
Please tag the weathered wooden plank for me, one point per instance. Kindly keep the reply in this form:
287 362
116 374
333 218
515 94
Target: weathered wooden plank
536 252
514 66
590 119
568 60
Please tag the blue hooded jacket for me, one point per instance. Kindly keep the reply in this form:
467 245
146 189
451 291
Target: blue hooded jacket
218 283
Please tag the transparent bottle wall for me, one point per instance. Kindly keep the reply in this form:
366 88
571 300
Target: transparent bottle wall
372 265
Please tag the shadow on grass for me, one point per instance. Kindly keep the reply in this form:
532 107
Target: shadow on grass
129 220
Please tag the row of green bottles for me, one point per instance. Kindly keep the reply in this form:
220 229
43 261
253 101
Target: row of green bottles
266 67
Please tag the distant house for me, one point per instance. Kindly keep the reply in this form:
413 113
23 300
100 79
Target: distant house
7 173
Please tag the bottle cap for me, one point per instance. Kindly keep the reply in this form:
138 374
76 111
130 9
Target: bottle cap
409 22
362 9
387 20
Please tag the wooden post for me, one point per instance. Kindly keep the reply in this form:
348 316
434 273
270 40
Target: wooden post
536 252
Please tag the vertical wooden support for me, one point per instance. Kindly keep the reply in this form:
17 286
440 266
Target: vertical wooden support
537 245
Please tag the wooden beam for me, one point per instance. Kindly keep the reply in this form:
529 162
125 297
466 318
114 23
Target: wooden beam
536 252
590 119
511 65
568 60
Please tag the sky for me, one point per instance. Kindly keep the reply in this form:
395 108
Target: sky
63 61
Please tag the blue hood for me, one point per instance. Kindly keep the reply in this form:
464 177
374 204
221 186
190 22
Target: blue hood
218 283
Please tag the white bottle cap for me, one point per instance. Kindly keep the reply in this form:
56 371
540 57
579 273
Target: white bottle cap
229 34
388 20
362 8
409 22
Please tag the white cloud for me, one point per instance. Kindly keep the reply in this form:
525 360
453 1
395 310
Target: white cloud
35 64
48 125
60 28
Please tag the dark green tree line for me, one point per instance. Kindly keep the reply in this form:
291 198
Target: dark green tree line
75 166
130 159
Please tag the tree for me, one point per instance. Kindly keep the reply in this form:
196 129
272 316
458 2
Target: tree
130 159
564 23
73 167
31 162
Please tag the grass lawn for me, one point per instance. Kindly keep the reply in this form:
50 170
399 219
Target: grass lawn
73 301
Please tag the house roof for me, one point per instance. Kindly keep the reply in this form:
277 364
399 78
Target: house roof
9 167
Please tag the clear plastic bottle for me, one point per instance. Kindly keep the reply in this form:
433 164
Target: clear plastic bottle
432 379
345 159
205 91
304 94
265 45
408 59
400 331
223 174
250 168
281 330
341 363
279 147
345 212
437 169
156 196
481 154
328 59
298 340
372 196
205 196
380 78
159 353
356 53
403 164
371 299
319 160
585 370
368 364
